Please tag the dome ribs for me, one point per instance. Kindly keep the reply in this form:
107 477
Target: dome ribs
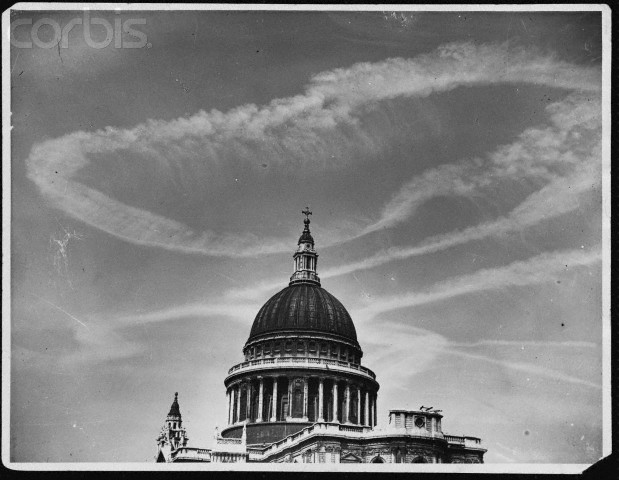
304 307
312 310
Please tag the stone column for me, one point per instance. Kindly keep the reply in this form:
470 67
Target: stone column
274 417
230 405
375 409
305 397
238 403
366 410
372 411
260 399
248 405
335 400
346 412
289 412
358 405
320 398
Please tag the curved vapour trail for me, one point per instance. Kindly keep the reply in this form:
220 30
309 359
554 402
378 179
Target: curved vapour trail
565 153
304 128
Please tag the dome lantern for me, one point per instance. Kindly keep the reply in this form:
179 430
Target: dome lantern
305 257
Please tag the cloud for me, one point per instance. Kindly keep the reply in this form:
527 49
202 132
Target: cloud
566 154
99 338
405 351
557 198
414 349
539 269
527 343
527 368
233 310
554 153
104 340
101 342
401 350
311 129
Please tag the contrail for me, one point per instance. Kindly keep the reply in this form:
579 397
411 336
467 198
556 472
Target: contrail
60 309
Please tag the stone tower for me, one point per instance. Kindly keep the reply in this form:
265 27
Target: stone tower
172 435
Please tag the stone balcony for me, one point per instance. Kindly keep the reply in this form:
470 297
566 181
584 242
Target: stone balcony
309 363
317 428
190 454
344 430
229 445
466 442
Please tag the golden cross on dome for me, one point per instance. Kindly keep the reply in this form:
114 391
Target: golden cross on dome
306 212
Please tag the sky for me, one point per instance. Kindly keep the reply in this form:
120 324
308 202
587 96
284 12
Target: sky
453 165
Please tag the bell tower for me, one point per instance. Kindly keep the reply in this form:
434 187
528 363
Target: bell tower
172 435
305 257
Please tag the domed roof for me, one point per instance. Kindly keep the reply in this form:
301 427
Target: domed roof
304 306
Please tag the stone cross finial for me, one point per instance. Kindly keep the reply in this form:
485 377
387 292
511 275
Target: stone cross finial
306 212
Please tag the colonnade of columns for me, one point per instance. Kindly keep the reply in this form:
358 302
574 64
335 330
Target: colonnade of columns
301 398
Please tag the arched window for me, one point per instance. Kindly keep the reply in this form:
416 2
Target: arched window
378 459
419 459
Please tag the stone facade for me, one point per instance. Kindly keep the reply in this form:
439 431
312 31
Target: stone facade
302 395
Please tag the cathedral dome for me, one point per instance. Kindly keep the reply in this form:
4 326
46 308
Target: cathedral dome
304 307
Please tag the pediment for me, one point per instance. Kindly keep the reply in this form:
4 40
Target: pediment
350 458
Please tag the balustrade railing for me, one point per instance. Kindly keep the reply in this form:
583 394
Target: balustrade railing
302 361
351 428
200 454
258 453
454 439
229 441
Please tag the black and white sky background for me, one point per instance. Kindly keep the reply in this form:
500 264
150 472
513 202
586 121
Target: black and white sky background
452 161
